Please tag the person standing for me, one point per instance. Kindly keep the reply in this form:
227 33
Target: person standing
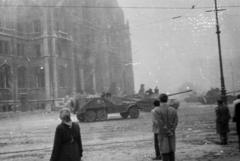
222 121
236 117
155 130
67 141
167 120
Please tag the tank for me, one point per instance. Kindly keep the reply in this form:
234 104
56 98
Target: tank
98 108
146 104
145 101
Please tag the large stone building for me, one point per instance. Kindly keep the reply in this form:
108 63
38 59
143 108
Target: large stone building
53 48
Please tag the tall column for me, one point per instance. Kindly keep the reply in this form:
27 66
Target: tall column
82 80
73 71
46 57
54 56
14 69
94 81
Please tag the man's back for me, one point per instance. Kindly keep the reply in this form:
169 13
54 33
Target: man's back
167 118
223 114
155 126
237 111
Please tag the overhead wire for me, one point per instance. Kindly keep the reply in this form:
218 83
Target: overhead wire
119 7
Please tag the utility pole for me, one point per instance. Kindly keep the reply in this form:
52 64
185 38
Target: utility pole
223 89
233 80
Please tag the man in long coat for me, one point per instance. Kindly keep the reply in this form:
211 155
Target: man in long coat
67 141
236 117
222 121
155 130
167 120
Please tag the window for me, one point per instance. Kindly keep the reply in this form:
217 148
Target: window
59 48
5 74
20 27
0 22
37 26
39 77
10 24
62 76
38 50
21 77
4 47
57 25
20 49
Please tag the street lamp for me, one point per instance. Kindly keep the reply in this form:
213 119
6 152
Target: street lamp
218 32
223 89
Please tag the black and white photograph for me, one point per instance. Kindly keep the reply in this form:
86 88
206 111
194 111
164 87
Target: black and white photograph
119 80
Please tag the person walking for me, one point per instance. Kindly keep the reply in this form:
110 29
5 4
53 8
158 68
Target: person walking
167 120
67 141
222 121
236 117
155 130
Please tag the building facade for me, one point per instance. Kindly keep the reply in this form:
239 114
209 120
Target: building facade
53 48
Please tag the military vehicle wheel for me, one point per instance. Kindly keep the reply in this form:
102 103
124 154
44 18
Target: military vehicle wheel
80 117
90 116
124 115
101 115
134 112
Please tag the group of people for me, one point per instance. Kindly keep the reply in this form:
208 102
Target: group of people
165 120
223 117
148 92
68 143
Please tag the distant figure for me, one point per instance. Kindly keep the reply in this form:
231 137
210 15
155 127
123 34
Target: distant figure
156 90
155 130
222 121
103 94
141 91
174 103
167 119
236 116
149 92
67 141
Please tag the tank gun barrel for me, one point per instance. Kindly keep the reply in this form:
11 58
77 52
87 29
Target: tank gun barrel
173 94
237 91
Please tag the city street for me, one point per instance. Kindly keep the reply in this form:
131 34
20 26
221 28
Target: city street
97 57
29 137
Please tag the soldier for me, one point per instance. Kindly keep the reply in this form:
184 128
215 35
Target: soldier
156 90
155 130
222 121
149 92
141 90
236 117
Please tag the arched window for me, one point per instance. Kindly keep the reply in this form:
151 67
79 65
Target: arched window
21 77
62 76
5 76
39 77
37 25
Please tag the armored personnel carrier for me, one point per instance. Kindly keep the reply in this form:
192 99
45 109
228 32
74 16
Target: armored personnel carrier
98 108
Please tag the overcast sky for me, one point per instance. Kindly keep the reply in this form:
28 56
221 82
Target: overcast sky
169 52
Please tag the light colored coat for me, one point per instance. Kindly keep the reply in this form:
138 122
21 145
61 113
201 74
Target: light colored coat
166 119
155 127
